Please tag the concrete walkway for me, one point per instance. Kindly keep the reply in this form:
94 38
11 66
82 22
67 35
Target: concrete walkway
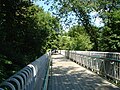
67 75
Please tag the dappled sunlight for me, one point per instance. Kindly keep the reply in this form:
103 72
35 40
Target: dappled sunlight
67 75
57 56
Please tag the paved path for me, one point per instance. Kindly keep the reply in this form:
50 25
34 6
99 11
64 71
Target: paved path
67 75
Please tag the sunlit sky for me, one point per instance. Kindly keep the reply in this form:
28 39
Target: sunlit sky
95 21
41 4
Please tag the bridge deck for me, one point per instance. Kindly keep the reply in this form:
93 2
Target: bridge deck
67 75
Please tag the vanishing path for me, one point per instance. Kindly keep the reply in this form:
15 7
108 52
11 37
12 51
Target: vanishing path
67 75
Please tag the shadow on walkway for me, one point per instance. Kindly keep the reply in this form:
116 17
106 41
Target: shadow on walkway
67 75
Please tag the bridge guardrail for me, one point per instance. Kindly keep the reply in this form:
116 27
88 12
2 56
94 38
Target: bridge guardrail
106 64
32 77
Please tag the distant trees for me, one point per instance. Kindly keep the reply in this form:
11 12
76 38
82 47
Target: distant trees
81 40
80 10
25 31
75 39
109 11
106 38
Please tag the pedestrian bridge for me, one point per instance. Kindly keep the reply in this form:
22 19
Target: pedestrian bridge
67 75
68 70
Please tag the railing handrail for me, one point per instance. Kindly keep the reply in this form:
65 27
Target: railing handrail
100 57
106 64
115 55
30 77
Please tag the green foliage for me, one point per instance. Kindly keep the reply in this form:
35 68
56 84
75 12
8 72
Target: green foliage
81 40
110 34
25 31
65 42
67 9
76 39
105 39
110 39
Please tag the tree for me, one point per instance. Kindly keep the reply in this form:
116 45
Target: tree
108 10
78 9
75 39
110 38
81 40
25 30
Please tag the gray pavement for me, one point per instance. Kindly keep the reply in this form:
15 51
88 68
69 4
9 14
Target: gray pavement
67 75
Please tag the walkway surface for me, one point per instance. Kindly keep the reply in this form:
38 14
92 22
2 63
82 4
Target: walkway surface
67 75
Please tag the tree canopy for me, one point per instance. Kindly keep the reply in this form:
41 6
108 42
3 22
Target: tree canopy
105 38
25 32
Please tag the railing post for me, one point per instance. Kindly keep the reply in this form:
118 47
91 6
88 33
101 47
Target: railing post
31 77
106 64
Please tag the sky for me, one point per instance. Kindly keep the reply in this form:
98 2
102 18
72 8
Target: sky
41 4
95 21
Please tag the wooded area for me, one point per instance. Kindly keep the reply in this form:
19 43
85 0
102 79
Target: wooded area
106 38
27 31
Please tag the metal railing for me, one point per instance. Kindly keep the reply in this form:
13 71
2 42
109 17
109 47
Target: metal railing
32 77
106 64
